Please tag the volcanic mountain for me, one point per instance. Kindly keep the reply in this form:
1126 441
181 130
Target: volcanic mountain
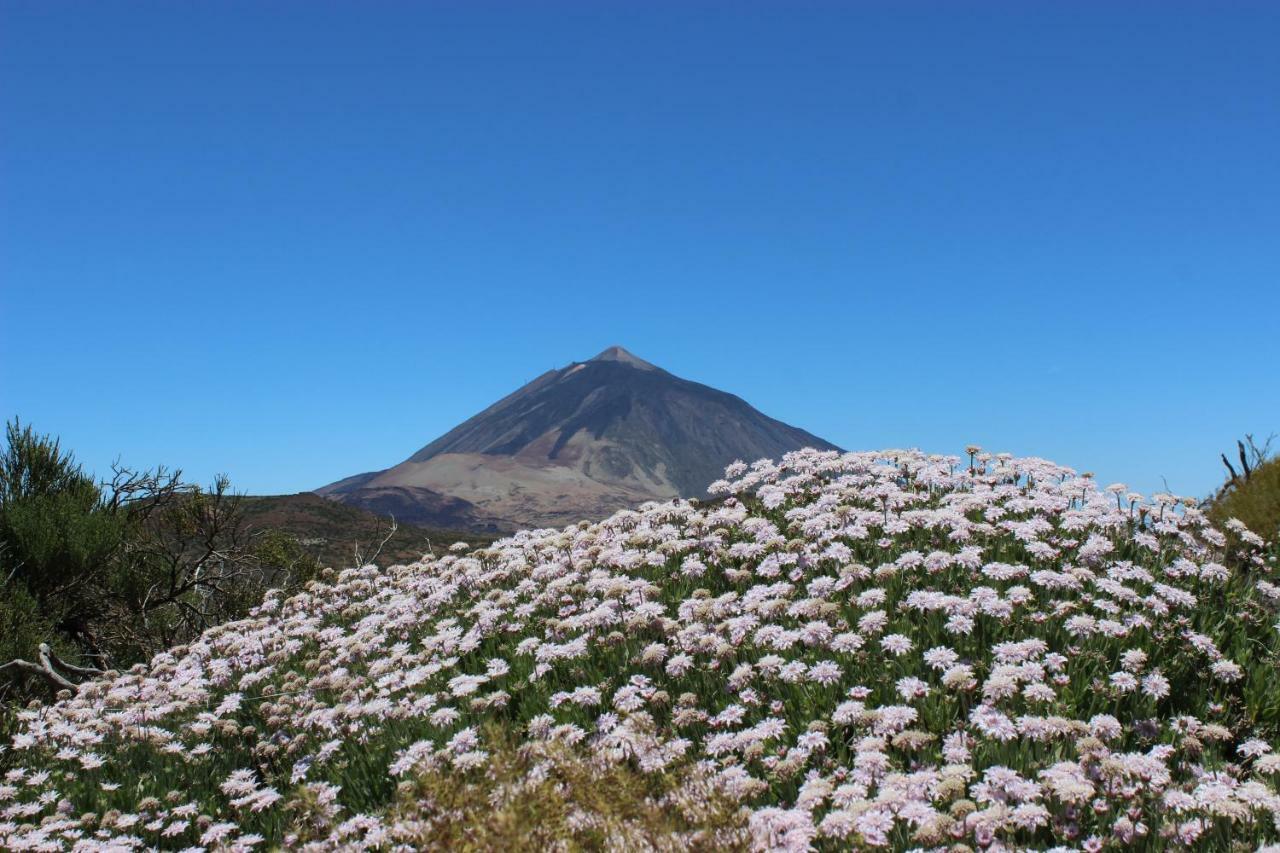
575 443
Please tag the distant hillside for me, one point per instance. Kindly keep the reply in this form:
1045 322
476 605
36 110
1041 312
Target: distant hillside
579 442
333 531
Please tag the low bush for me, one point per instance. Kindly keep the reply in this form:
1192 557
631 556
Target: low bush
1255 501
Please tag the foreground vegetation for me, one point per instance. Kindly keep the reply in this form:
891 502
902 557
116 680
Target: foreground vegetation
95 575
877 650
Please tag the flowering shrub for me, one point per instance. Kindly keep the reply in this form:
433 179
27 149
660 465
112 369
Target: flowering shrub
546 794
867 649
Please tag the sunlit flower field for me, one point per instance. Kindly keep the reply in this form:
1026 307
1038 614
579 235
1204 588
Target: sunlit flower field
870 650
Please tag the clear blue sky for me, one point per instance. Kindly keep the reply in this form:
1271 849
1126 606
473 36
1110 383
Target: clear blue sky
295 241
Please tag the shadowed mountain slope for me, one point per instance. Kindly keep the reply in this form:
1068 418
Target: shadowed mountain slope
579 442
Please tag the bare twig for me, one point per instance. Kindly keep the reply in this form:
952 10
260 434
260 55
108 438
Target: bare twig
1252 456
360 560
1227 462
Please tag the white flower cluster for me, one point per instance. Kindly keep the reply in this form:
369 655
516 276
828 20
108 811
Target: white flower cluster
876 649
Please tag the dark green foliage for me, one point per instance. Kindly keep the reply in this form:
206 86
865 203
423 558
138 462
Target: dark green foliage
56 534
23 627
107 574
34 465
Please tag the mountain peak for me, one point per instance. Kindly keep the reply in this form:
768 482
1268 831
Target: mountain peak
579 442
617 353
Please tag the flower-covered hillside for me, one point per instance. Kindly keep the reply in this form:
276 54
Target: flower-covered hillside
876 649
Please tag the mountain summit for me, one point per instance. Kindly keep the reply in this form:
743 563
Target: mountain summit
578 442
617 353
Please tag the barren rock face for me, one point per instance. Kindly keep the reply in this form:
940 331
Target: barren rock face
579 442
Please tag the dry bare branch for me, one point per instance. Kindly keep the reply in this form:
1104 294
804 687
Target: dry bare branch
360 559
44 669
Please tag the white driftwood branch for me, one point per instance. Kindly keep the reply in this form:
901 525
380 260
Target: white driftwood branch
45 668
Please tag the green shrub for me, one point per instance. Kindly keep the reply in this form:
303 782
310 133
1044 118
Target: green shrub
56 533
117 571
1255 501
23 626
